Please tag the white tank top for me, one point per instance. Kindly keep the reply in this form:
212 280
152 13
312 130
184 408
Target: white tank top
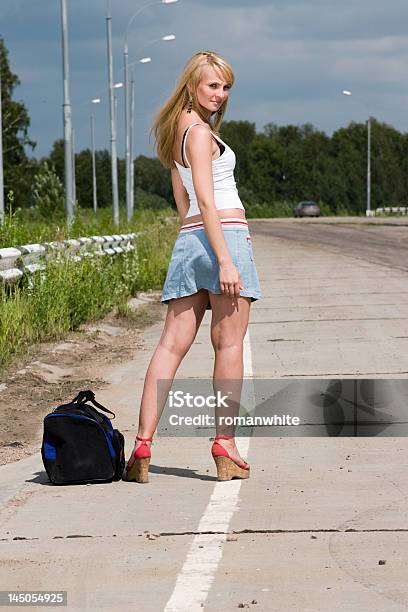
225 189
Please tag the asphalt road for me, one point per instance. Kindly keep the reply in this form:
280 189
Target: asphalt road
385 245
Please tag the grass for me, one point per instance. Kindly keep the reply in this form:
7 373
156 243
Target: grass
46 305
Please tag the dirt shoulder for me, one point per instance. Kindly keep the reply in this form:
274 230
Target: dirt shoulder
52 373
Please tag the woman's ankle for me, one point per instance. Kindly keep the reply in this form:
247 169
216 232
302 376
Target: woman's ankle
145 436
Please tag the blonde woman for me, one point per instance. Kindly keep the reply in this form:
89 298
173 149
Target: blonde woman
212 265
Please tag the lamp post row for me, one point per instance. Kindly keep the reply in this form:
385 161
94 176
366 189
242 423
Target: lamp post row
69 148
68 131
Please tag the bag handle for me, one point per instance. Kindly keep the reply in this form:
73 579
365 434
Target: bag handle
89 396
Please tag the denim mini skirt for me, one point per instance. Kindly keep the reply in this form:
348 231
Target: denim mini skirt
194 266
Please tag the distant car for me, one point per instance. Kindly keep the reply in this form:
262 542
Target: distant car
307 209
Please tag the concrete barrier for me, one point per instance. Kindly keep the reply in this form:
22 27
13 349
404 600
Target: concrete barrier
29 258
393 209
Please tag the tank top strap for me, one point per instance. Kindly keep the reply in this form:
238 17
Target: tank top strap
184 155
217 137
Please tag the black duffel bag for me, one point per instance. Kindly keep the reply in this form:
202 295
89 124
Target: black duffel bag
80 445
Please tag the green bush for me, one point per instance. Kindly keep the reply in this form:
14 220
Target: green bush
145 200
48 193
269 209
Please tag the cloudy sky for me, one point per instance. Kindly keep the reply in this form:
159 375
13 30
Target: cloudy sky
291 58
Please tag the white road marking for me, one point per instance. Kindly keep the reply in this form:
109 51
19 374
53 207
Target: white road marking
198 572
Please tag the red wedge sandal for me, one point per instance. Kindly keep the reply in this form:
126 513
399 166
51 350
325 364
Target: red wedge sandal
227 468
139 470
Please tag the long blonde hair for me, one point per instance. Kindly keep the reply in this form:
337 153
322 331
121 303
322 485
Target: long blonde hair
166 120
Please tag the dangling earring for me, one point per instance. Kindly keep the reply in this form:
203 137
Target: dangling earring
219 111
190 104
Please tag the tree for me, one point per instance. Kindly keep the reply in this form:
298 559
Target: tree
282 164
18 169
56 159
83 174
48 193
152 177
239 135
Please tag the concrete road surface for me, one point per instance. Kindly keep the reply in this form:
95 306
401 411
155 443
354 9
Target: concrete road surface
322 523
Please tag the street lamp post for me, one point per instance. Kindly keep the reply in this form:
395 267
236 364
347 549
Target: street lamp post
368 209
94 186
143 60
114 159
132 164
94 193
129 199
127 136
73 168
69 203
92 122
115 105
347 92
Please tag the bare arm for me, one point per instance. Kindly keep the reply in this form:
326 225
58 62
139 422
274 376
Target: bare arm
199 154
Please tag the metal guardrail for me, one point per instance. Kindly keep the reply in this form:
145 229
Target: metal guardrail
393 209
29 258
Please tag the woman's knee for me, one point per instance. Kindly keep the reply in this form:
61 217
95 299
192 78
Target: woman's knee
228 324
226 338
176 344
178 334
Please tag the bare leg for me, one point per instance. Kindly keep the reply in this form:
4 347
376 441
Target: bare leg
228 328
183 319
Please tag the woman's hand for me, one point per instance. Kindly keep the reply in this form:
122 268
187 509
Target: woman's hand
230 280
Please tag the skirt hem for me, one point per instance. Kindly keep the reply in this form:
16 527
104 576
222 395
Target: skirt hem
241 294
